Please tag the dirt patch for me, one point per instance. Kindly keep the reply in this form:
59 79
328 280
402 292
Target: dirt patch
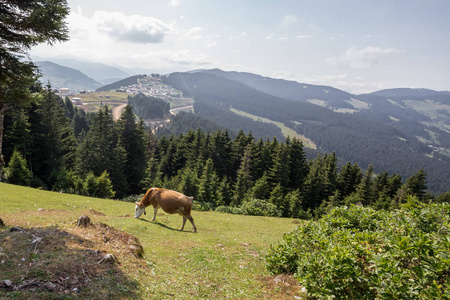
283 286
40 262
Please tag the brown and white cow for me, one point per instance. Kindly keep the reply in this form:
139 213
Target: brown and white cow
170 201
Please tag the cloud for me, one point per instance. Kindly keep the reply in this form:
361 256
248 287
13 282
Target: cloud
186 57
275 37
194 33
174 2
302 37
132 28
288 20
363 58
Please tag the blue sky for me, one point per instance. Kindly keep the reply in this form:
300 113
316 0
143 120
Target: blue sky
358 46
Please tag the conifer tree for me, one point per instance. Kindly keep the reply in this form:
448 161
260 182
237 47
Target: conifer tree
298 166
133 140
53 140
365 190
224 193
243 181
17 171
207 183
25 24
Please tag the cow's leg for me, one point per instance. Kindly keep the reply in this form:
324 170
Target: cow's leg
184 222
154 215
192 222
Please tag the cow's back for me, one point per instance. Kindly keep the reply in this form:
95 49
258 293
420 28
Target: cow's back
174 202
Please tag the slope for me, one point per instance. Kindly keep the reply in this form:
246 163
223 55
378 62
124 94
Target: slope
64 77
353 138
223 260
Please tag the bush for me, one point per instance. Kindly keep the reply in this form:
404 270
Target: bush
257 207
359 253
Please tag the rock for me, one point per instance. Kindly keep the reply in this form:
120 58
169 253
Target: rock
2 223
7 283
84 221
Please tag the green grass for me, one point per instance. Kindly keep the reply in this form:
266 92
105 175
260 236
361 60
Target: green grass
286 131
225 259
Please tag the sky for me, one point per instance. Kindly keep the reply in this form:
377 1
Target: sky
358 46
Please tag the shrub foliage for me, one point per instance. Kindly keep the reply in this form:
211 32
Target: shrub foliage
360 253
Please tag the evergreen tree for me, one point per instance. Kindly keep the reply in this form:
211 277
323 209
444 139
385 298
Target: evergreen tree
243 181
261 189
207 184
277 198
298 166
25 24
349 177
17 171
105 188
224 193
132 139
365 190
293 201
189 182
53 140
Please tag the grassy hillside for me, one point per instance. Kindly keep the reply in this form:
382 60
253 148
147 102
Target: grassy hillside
224 259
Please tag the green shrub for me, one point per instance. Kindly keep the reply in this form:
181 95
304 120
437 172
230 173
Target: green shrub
257 207
359 253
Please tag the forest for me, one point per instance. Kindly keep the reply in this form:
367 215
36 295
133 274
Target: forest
53 145
148 107
352 137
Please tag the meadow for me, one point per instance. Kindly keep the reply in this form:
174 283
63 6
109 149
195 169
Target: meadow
225 259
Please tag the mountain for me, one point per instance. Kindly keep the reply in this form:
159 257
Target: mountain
64 77
101 73
390 135
408 92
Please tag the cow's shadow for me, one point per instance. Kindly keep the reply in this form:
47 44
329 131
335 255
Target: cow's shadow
164 225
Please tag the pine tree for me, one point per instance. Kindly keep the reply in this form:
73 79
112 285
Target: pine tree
17 171
53 140
365 190
132 139
348 178
25 24
243 181
261 189
298 166
224 193
207 183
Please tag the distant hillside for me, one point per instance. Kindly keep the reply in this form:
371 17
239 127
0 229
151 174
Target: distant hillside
286 89
357 138
64 77
408 92
101 73
121 83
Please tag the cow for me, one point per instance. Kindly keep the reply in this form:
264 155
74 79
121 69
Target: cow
170 201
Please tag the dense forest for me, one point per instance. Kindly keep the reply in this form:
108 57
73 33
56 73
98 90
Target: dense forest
148 107
351 137
53 145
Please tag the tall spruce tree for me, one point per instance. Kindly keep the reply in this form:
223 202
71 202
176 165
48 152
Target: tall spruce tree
132 139
53 141
25 24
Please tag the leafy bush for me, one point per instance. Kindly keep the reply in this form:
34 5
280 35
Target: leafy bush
359 253
230 210
257 207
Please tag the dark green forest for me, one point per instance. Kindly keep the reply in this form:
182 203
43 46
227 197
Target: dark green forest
53 145
351 137
148 107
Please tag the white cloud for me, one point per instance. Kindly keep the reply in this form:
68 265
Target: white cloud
288 20
131 28
194 33
186 57
301 37
363 58
174 2
275 37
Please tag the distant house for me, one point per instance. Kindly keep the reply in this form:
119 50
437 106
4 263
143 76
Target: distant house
82 92
64 92
77 101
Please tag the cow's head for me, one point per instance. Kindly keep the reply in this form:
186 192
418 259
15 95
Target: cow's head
139 210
